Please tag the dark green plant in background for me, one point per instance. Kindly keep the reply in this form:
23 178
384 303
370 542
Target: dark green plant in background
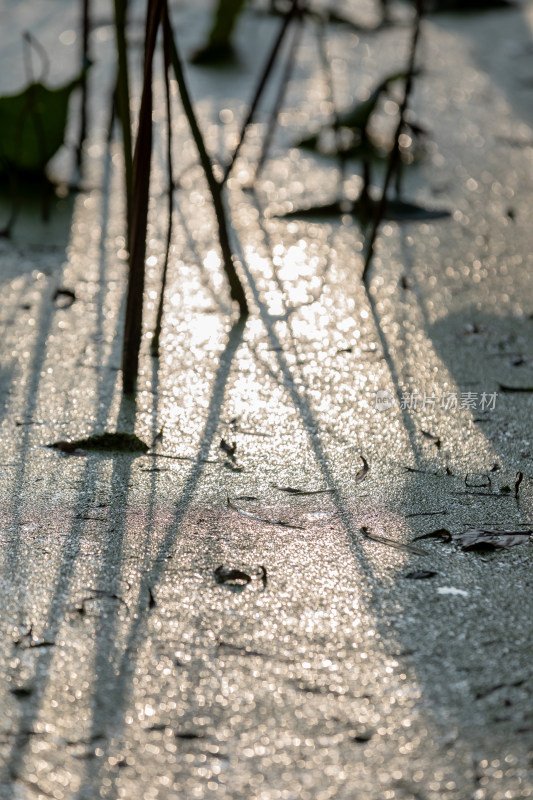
32 128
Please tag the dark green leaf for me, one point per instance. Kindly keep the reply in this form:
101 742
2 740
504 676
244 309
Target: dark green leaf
32 126
219 48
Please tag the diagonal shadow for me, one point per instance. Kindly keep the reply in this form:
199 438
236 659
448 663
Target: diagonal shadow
118 678
88 482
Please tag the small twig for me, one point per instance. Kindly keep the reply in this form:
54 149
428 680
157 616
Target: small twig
519 479
159 319
139 221
122 93
215 188
261 85
85 58
395 152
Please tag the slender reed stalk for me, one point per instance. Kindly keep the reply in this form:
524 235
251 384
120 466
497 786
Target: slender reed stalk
395 152
154 346
85 58
123 104
139 219
267 69
215 188
280 97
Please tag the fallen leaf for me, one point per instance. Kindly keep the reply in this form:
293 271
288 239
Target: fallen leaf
480 481
420 575
69 448
229 449
361 475
22 691
291 490
519 479
66 295
262 519
504 388
234 577
431 436
441 533
487 539
109 442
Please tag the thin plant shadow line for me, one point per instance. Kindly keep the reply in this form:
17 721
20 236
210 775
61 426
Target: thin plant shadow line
111 565
408 423
41 339
304 410
140 612
88 484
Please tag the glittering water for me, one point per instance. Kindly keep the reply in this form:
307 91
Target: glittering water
130 672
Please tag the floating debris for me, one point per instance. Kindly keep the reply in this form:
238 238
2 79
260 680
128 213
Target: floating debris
105 442
441 533
432 438
63 297
504 388
233 577
361 475
479 481
229 449
487 539
301 492
392 542
420 575
257 518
